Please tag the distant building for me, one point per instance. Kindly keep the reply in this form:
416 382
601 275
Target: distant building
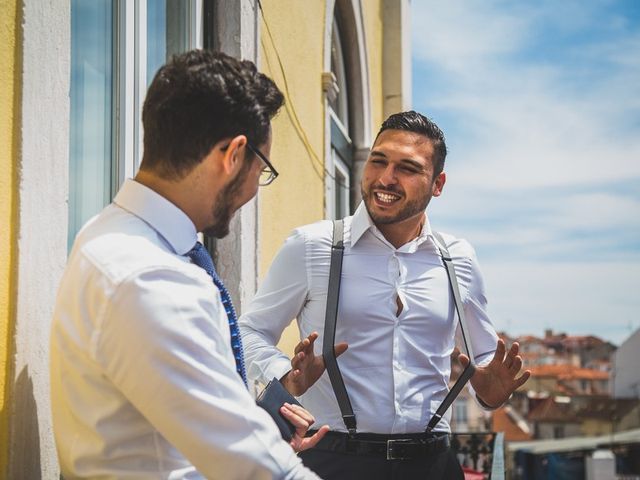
515 427
466 413
626 368
568 380
554 418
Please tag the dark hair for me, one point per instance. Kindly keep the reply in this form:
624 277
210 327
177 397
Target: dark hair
415 122
199 98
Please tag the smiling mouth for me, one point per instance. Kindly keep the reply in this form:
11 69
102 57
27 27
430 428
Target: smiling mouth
386 198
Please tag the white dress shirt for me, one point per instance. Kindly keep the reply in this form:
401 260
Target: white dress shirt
143 379
397 368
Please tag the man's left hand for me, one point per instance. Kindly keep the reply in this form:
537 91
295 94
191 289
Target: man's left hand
302 420
495 382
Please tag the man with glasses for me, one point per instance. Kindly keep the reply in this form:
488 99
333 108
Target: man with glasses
147 370
269 172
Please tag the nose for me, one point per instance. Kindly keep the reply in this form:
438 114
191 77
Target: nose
388 176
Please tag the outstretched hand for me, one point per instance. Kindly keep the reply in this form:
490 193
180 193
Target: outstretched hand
302 419
307 367
495 382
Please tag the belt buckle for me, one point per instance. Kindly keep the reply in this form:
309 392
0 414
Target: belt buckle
390 445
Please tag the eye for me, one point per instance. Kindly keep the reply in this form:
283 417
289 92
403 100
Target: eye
409 169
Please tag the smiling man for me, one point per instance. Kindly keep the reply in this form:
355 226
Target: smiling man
396 315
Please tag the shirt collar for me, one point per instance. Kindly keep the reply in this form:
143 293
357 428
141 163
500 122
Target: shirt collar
361 222
163 216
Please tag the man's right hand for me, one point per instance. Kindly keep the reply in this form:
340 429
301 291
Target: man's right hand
307 367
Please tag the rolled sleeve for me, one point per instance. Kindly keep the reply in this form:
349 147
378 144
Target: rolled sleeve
279 299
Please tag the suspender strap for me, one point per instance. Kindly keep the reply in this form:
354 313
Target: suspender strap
470 369
328 352
453 283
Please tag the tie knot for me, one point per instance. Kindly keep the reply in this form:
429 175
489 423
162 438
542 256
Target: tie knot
200 257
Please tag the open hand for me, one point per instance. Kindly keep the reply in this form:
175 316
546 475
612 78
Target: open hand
307 367
495 382
302 419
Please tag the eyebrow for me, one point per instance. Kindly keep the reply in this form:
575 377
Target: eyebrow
414 163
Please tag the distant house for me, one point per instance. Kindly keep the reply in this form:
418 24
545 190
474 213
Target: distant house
568 380
508 420
554 418
626 368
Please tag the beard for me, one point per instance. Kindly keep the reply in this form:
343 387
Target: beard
410 209
224 205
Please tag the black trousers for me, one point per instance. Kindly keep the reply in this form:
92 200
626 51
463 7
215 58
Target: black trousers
343 466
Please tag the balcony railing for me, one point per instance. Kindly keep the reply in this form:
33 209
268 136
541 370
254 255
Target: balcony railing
482 452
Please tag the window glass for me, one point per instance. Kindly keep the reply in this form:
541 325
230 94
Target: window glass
341 189
340 104
167 32
91 114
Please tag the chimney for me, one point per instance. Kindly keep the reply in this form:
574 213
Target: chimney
548 333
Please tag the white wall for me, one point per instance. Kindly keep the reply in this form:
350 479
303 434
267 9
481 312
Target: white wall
42 231
626 374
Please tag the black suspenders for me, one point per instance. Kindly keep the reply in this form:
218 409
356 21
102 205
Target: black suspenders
333 296
331 315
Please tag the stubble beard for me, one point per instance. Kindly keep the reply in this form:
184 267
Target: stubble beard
410 209
223 209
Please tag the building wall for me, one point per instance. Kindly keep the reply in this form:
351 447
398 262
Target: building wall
34 173
542 384
626 374
43 134
9 118
547 430
299 41
594 427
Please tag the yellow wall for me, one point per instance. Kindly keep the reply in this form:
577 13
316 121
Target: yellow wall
297 196
373 28
9 94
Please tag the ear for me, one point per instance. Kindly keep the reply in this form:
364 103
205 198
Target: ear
438 184
232 158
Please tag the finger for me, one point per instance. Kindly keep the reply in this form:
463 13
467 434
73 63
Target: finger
313 336
297 360
302 345
340 348
511 354
500 350
516 365
522 379
463 359
301 424
301 411
315 438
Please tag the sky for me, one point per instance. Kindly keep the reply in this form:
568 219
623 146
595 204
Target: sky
540 105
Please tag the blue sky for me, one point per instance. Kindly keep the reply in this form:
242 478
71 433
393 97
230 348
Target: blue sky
540 105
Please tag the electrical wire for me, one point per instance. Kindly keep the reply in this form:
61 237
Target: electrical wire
291 111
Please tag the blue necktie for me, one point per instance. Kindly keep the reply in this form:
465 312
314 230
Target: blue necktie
201 257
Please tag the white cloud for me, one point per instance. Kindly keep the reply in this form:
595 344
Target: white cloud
571 297
535 123
540 103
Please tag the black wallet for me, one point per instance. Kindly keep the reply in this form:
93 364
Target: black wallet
271 399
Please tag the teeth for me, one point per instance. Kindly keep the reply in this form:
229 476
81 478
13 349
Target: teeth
386 197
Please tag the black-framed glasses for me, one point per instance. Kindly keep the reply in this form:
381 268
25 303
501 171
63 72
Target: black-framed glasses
268 174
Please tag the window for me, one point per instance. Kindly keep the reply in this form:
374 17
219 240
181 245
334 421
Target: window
460 415
116 48
92 112
339 171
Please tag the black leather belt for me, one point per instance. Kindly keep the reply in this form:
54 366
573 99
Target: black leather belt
390 447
